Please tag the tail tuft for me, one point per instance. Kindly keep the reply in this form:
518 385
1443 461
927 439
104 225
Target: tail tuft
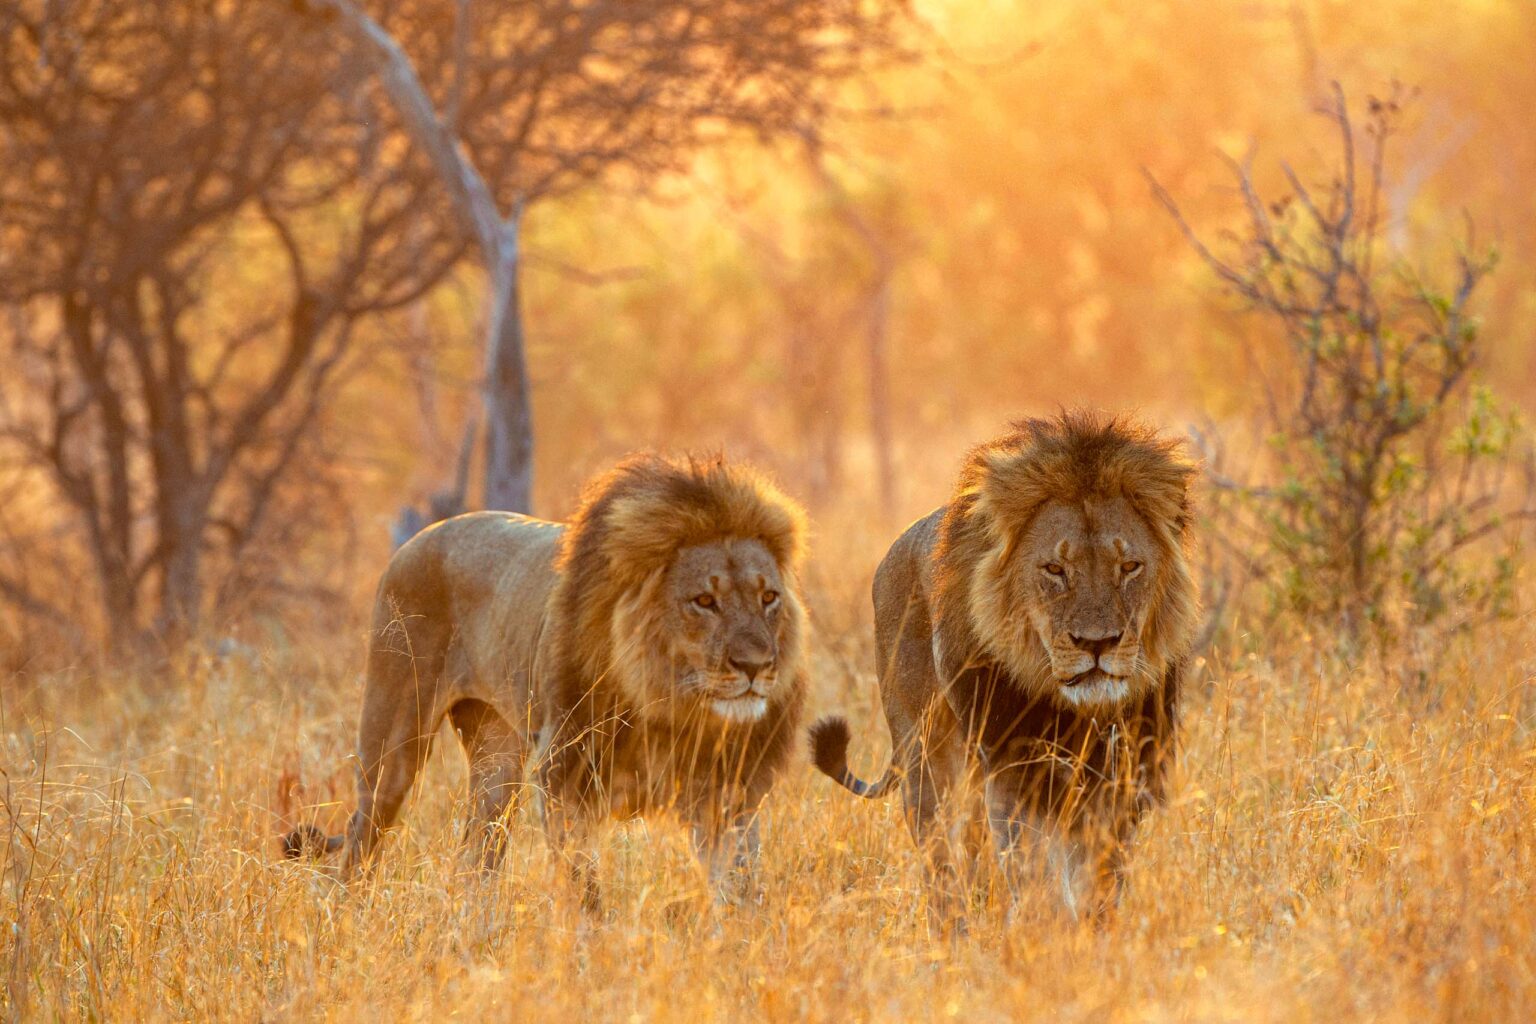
307 843
829 746
829 752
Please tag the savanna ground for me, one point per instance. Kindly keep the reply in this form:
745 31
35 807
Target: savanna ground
1350 837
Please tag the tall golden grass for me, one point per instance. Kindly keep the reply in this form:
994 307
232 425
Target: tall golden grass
1350 838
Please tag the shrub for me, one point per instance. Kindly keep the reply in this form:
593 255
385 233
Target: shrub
1389 466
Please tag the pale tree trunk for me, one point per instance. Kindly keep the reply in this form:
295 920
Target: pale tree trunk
877 333
878 342
509 420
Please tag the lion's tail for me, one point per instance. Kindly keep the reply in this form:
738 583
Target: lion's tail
829 752
309 843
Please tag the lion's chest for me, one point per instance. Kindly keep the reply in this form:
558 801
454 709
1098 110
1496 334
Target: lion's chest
1043 760
661 771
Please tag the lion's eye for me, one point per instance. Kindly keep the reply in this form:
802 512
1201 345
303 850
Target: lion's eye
1129 567
770 596
705 601
1054 569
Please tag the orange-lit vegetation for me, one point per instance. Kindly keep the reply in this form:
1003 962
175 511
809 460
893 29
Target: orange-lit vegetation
1350 832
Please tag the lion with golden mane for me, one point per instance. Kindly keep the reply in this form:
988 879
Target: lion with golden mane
1037 627
648 656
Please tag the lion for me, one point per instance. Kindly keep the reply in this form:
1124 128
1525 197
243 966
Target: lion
647 657
1037 627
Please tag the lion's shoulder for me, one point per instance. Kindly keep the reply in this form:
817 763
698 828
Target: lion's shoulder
488 529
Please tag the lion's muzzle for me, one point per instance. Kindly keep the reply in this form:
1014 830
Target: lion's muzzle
742 696
1078 659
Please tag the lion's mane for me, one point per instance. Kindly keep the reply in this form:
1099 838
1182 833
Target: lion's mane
630 525
1005 483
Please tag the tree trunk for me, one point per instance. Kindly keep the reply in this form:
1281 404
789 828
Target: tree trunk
508 416
878 328
183 515
181 592
509 421
1358 542
880 387
119 604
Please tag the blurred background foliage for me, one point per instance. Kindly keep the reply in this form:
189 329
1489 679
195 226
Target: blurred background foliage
977 217
1032 266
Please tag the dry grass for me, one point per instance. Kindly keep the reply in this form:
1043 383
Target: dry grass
1346 842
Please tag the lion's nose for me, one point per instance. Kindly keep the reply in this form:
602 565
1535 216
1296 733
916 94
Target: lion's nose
1098 645
750 669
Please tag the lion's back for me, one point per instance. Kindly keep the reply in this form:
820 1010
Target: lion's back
469 559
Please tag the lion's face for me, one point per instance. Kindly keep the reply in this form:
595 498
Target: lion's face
727 601
1084 572
730 622
1073 533
1068 601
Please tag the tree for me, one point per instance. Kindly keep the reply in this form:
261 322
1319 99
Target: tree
515 103
192 227
883 259
1389 464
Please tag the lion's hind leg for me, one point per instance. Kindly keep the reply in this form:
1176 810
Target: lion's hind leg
932 762
403 705
497 753
928 754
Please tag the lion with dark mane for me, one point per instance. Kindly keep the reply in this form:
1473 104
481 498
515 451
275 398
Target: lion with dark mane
1037 627
649 656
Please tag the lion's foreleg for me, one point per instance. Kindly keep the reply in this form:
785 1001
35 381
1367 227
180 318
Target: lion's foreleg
1013 851
570 804
1104 884
1044 861
581 868
1088 873
570 830
1020 845
496 753
1102 864
1080 875
729 856
573 840
1107 828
